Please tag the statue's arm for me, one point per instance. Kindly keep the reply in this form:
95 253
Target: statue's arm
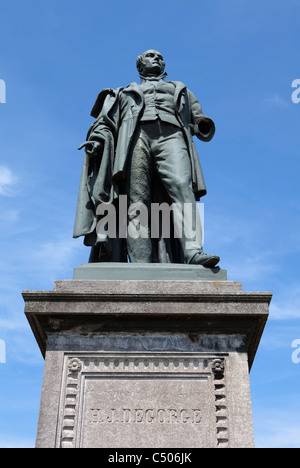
96 138
202 126
107 105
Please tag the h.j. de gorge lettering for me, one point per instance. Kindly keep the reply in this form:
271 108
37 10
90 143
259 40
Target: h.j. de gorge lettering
148 416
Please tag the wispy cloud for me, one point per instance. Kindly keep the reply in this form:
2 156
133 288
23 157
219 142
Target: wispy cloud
32 265
7 324
277 101
274 428
11 441
286 304
9 216
7 180
245 243
56 256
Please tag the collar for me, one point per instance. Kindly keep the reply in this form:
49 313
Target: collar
153 78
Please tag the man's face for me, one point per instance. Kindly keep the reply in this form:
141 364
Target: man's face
153 63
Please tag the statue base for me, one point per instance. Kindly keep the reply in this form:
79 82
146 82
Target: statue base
148 271
146 363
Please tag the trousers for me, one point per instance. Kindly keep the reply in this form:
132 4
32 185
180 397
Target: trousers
159 171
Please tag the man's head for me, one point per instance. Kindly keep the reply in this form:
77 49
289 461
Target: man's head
150 63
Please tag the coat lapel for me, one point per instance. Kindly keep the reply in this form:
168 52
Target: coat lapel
179 88
135 89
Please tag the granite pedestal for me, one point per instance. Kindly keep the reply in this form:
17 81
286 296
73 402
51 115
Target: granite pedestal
149 362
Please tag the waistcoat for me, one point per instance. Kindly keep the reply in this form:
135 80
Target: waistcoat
159 102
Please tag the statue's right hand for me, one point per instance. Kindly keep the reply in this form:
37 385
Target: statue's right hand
92 148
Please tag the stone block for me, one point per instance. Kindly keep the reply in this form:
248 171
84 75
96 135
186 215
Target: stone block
146 363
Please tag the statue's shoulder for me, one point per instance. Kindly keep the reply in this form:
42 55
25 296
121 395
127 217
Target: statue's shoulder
131 87
97 107
178 84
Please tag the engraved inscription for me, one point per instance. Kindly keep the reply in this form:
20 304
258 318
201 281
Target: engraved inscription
148 416
137 412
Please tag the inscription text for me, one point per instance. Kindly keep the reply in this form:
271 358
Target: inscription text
148 416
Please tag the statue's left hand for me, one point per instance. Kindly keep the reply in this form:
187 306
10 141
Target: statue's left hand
92 148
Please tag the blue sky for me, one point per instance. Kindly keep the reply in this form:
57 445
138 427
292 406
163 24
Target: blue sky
240 58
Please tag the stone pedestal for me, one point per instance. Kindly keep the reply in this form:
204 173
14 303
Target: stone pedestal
146 363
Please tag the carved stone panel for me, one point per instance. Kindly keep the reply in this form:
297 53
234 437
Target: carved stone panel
143 400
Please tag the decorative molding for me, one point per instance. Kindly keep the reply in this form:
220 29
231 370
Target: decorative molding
74 367
218 369
186 365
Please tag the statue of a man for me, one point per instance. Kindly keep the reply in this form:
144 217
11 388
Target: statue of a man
141 146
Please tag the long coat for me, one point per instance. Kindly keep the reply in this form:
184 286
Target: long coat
117 114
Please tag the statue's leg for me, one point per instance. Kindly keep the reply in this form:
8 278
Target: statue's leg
174 168
138 189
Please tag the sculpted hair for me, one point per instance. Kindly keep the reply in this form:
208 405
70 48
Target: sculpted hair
139 63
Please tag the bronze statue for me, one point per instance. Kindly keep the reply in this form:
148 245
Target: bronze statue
141 148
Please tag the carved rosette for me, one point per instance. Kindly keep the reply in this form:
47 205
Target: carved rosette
218 368
74 365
